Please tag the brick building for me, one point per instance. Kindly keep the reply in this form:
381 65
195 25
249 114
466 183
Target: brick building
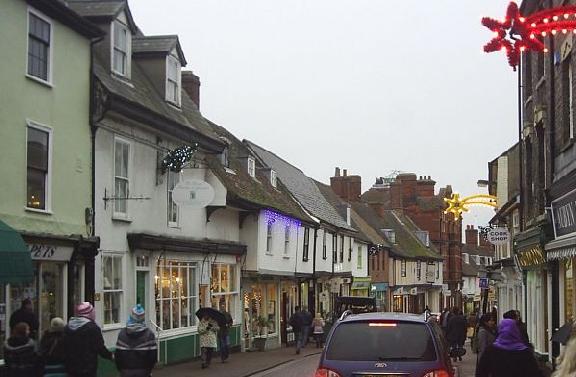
416 198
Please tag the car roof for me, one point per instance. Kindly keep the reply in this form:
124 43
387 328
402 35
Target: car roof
389 316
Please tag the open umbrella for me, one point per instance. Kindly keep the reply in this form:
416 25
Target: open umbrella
216 315
562 335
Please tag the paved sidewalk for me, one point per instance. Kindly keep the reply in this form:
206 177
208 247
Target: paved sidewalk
466 367
240 364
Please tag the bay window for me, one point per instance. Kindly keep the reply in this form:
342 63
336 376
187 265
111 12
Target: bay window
176 294
112 287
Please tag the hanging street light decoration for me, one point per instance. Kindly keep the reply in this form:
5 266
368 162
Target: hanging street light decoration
517 34
176 158
457 206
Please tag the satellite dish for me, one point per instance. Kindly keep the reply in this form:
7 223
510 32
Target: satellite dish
193 193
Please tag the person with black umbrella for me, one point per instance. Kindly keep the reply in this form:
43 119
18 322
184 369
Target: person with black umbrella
208 330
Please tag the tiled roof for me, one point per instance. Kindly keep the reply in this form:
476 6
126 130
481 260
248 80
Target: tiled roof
141 92
470 269
259 190
157 44
431 203
477 250
377 195
96 8
369 222
407 243
302 187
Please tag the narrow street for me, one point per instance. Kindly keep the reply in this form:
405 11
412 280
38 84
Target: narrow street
298 368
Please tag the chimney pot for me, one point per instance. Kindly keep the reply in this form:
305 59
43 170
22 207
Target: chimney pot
337 172
191 84
345 172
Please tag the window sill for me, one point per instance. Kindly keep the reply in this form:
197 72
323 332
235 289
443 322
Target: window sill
112 326
167 334
174 225
40 81
174 105
122 78
35 210
567 146
121 218
268 253
285 257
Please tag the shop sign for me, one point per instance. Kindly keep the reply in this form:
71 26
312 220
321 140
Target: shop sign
414 291
531 257
447 293
483 283
50 252
399 291
498 236
564 215
193 193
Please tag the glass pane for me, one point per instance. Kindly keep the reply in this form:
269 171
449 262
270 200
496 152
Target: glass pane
37 154
39 28
120 33
121 186
117 272
36 189
107 272
166 324
51 300
112 307
119 61
192 282
118 158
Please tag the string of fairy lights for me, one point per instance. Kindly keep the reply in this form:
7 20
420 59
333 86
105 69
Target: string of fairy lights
177 158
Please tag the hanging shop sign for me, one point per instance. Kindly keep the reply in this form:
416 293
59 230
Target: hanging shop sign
50 252
193 193
533 256
414 291
564 215
498 236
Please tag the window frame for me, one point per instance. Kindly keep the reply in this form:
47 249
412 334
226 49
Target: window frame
324 248
349 249
178 83
359 263
286 240
112 291
170 200
234 294
273 178
251 167
269 237
50 59
121 140
127 54
306 244
48 179
342 238
403 268
334 248
419 270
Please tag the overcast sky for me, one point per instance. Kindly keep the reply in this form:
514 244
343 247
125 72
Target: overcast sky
373 86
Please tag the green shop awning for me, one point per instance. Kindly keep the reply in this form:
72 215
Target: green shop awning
15 259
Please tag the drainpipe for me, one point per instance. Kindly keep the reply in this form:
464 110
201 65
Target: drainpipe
314 269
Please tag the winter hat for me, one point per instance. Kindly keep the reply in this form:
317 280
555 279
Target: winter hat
57 324
137 315
86 310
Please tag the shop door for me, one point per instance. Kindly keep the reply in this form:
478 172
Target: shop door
283 319
142 288
51 298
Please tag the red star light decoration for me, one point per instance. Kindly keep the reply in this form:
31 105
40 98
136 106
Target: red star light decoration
517 34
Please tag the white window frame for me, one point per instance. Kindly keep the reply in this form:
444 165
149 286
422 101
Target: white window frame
269 237
273 178
234 294
390 235
403 268
117 139
48 189
128 53
50 49
359 259
418 270
175 101
169 200
251 167
286 240
116 290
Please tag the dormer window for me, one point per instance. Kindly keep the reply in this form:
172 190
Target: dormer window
251 167
120 48
273 178
390 235
423 236
173 80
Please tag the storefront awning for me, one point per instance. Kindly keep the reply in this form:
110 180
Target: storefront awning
358 285
15 260
561 249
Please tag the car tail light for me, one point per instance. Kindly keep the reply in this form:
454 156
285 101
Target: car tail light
323 372
437 373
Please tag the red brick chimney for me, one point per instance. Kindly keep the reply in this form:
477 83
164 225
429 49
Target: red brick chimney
347 187
471 235
425 187
191 84
408 182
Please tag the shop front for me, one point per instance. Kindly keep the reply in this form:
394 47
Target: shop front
360 286
380 292
261 316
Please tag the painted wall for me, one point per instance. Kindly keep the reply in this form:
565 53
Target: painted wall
64 107
411 277
362 269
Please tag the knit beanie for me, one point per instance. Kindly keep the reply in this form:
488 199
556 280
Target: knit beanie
137 315
57 324
86 310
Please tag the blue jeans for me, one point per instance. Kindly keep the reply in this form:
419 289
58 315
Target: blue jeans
224 347
302 337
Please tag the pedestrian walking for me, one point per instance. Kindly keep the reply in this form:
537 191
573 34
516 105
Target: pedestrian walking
208 330
25 314
20 353
508 356
486 334
83 343
456 334
567 360
297 323
444 318
52 351
136 349
306 325
515 315
318 329
224 336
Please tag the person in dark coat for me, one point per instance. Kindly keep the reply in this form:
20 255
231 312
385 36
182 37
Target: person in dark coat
20 353
25 314
136 348
508 356
486 333
52 351
297 321
456 333
306 325
444 318
83 342
224 336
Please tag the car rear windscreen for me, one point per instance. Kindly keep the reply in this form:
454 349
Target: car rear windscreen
381 341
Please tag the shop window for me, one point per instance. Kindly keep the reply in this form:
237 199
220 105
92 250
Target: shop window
224 288
173 179
418 270
176 294
286 240
306 247
359 261
112 288
260 310
349 249
568 290
403 268
38 167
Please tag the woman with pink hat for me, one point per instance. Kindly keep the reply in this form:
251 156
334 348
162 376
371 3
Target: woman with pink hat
84 342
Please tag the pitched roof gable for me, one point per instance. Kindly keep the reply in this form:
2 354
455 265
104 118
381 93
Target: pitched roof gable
158 44
301 187
106 9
